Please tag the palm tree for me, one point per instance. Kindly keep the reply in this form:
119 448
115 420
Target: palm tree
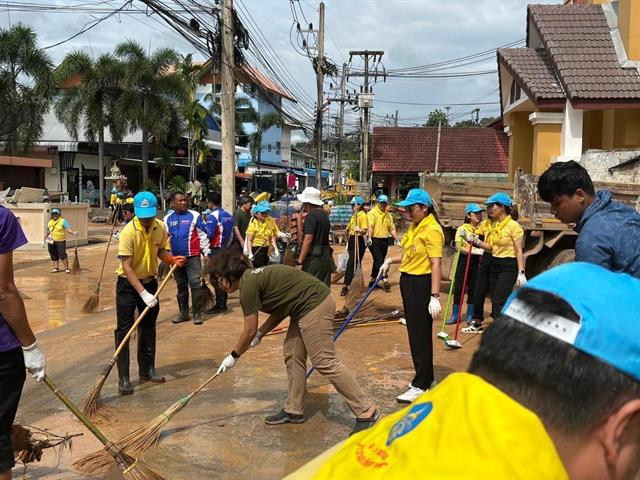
241 106
261 124
154 96
26 88
91 103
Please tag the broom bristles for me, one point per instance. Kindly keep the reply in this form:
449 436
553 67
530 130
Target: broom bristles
132 469
289 257
92 402
208 298
75 269
91 305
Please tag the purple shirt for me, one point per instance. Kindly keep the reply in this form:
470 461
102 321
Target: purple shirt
11 237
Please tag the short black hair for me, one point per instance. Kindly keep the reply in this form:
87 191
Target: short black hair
569 390
246 199
228 264
215 198
128 207
173 195
564 178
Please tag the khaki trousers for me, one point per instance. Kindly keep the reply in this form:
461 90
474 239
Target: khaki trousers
313 335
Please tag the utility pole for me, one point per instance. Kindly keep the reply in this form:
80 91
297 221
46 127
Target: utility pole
396 119
435 170
227 98
320 92
343 84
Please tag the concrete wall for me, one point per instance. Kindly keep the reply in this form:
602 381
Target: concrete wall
598 163
520 143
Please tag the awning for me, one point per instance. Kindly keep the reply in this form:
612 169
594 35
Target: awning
25 161
218 146
298 172
311 172
62 146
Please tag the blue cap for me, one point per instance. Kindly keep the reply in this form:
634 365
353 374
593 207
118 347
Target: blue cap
416 195
383 199
55 211
144 205
607 304
473 208
501 198
357 201
207 212
262 207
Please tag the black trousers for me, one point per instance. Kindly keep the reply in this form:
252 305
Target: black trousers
260 256
221 293
128 300
189 276
348 275
416 293
471 277
502 279
379 248
57 250
12 377
482 286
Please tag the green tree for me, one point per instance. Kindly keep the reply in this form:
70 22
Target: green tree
154 97
241 104
261 123
467 124
26 87
90 104
436 117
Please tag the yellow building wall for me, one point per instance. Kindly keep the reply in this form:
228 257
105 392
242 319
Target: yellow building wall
520 143
592 129
627 129
546 145
608 129
629 26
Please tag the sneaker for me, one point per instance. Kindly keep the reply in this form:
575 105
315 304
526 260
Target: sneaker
55 270
283 417
67 271
410 395
344 291
216 309
364 423
473 328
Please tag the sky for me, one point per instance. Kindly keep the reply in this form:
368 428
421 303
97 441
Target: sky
410 32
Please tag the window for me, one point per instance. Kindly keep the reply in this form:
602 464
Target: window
269 148
278 148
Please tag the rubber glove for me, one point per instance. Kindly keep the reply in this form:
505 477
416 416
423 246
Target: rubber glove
477 251
384 269
434 307
226 364
396 243
149 299
178 260
250 256
284 236
369 242
256 340
34 361
246 252
521 280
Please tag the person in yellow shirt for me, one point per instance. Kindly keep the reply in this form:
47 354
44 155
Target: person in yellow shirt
468 253
505 245
420 276
56 240
380 228
356 230
549 395
261 236
141 243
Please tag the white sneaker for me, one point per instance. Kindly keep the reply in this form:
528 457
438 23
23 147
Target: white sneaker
410 395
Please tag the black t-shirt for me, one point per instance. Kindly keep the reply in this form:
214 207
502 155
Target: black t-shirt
241 220
317 224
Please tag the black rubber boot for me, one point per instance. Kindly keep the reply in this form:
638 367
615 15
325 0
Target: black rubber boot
196 302
147 355
183 305
124 384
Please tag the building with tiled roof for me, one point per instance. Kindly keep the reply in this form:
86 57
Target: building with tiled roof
400 154
575 86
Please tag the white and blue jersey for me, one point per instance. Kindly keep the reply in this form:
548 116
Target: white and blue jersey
220 228
187 233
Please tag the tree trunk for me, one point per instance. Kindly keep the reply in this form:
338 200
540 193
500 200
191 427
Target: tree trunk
145 145
100 167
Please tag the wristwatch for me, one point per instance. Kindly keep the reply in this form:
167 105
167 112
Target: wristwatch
234 354
435 295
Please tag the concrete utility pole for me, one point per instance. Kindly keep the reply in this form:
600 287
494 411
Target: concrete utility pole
396 119
343 84
435 170
320 92
227 98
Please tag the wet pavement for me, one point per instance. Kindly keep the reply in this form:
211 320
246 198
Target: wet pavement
221 433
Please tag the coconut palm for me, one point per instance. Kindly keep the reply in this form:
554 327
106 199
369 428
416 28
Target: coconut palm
89 102
241 105
154 96
26 88
261 123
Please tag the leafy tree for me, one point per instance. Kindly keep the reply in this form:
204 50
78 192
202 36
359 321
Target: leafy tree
472 123
90 103
26 87
261 124
154 97
436 117
241 104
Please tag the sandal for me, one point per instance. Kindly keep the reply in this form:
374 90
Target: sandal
473 328
55 270
364 423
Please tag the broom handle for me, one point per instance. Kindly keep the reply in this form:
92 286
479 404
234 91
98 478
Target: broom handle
113 227
351 315
464 287
451 285
69 404
142 315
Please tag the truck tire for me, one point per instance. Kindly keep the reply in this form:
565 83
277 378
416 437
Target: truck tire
562 256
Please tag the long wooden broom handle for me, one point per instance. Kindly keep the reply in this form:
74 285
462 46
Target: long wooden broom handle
106 253
207 382
142 315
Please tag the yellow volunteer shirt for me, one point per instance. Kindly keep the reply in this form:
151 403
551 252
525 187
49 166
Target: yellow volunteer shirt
469 229
419 244
57 229
503 236
131 243
360 219
262 231
381 223
465 428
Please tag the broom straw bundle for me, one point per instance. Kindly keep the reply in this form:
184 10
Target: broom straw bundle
92 401
91 305
141 439
356 289
131 468
75 268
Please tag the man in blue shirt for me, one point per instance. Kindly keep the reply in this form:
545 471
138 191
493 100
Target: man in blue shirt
220 231
608 231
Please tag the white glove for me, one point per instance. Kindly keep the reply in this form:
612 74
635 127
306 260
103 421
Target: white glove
246 252
384 269
397 243
477 251
521 281
116 235
149 299
34 361
226 364
256 340
434 307
357 229
369 242
469 237
250 256
276 254
284 236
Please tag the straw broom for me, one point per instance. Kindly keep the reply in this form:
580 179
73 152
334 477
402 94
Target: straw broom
75 268
141 439
92 401
356 289
131 468
91 305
